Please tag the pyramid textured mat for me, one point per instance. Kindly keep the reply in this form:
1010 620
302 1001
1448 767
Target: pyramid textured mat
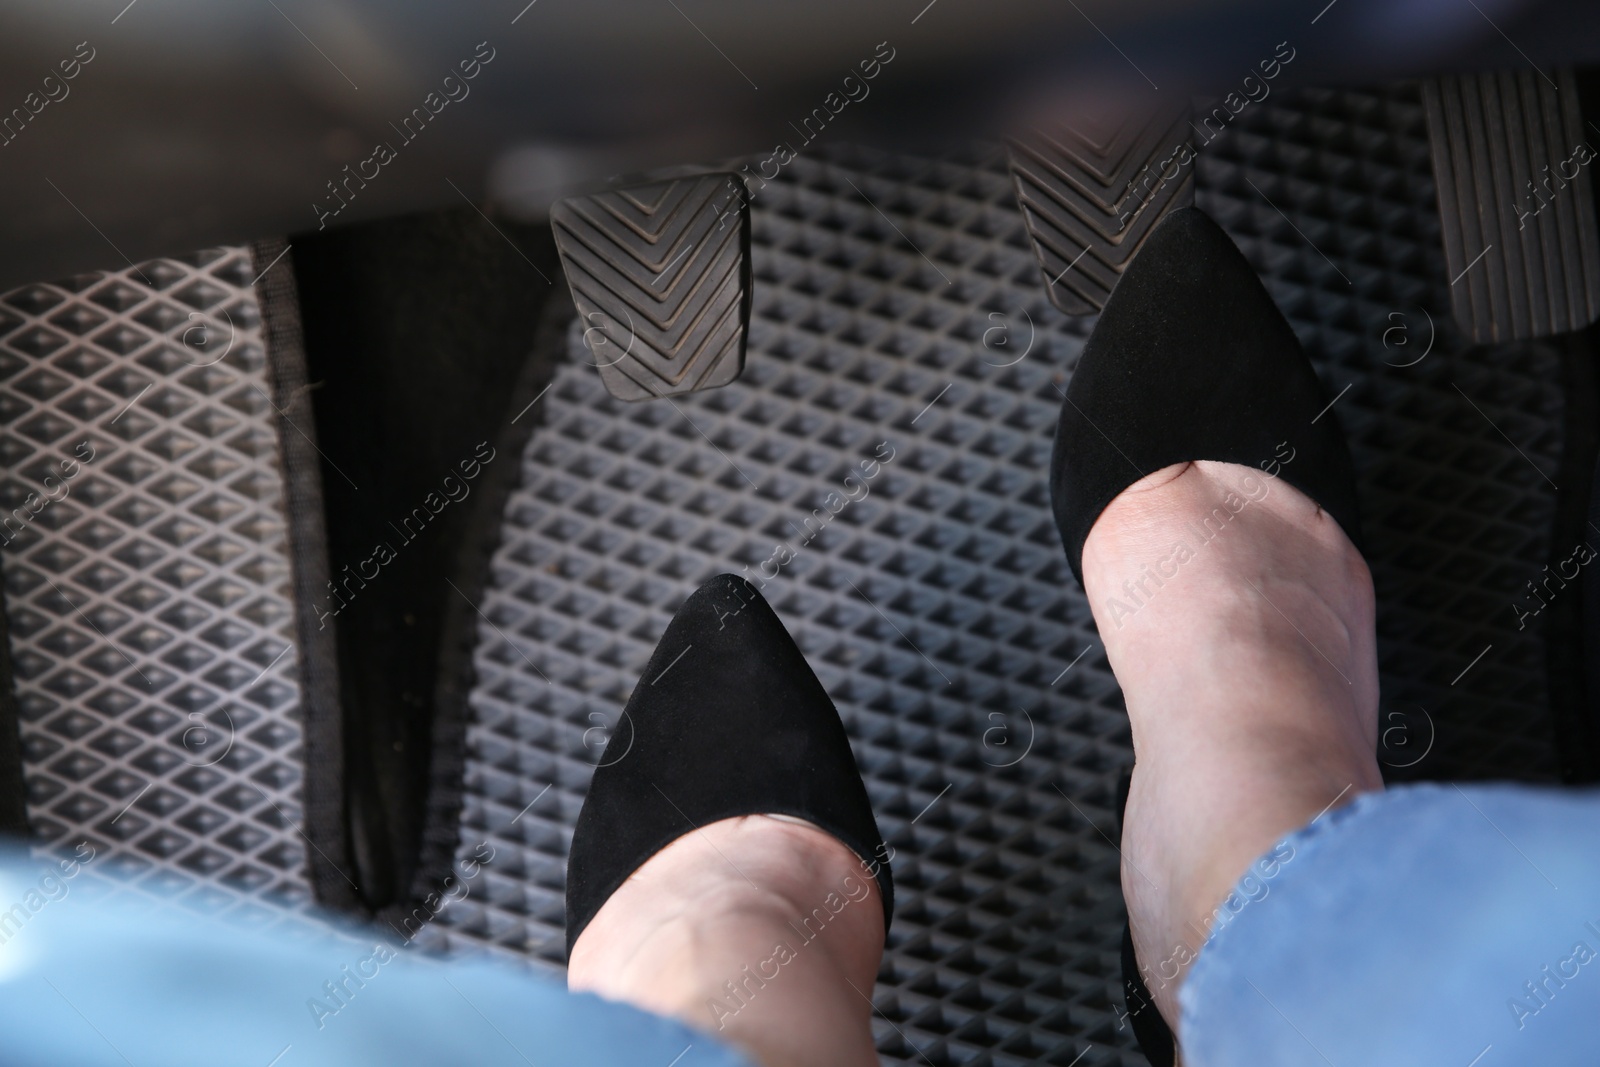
148 601
897 301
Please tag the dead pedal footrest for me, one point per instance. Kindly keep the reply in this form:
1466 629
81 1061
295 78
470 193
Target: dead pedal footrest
660 275
1091 193
1516 200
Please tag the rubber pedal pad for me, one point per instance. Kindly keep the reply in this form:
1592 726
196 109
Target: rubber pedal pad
1516 203
660 275
1091 192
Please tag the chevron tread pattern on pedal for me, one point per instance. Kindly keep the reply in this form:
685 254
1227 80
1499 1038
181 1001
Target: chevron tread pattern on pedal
1090 195
661 278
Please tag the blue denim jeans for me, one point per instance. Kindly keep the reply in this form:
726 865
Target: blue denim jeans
1426 925
89 982
1430 924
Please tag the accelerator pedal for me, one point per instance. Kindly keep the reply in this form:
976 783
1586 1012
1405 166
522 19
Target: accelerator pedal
1091 193
1516 199
660 275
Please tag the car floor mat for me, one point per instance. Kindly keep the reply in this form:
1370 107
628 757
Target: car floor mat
147 589
898 305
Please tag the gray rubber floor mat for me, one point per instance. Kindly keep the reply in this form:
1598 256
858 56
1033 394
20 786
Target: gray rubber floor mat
148 597
938 611
897 300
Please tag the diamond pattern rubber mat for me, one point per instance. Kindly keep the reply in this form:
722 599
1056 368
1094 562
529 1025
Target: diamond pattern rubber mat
939 611
147 580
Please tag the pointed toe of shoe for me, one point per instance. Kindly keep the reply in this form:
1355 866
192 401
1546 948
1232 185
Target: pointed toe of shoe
1192 360
727 719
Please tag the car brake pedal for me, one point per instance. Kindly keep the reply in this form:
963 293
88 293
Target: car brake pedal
1091 193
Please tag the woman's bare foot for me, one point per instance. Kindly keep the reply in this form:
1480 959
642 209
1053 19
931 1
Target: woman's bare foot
1238 618
762 930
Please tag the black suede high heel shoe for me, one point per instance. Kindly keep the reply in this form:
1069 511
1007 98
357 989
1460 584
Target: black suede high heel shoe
1190 360
727 720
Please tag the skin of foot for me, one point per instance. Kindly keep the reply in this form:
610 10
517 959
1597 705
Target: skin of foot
762 930
1248 661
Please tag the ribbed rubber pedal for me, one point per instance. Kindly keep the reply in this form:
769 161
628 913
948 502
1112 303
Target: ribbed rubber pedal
1516 200
660 275
1092 192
